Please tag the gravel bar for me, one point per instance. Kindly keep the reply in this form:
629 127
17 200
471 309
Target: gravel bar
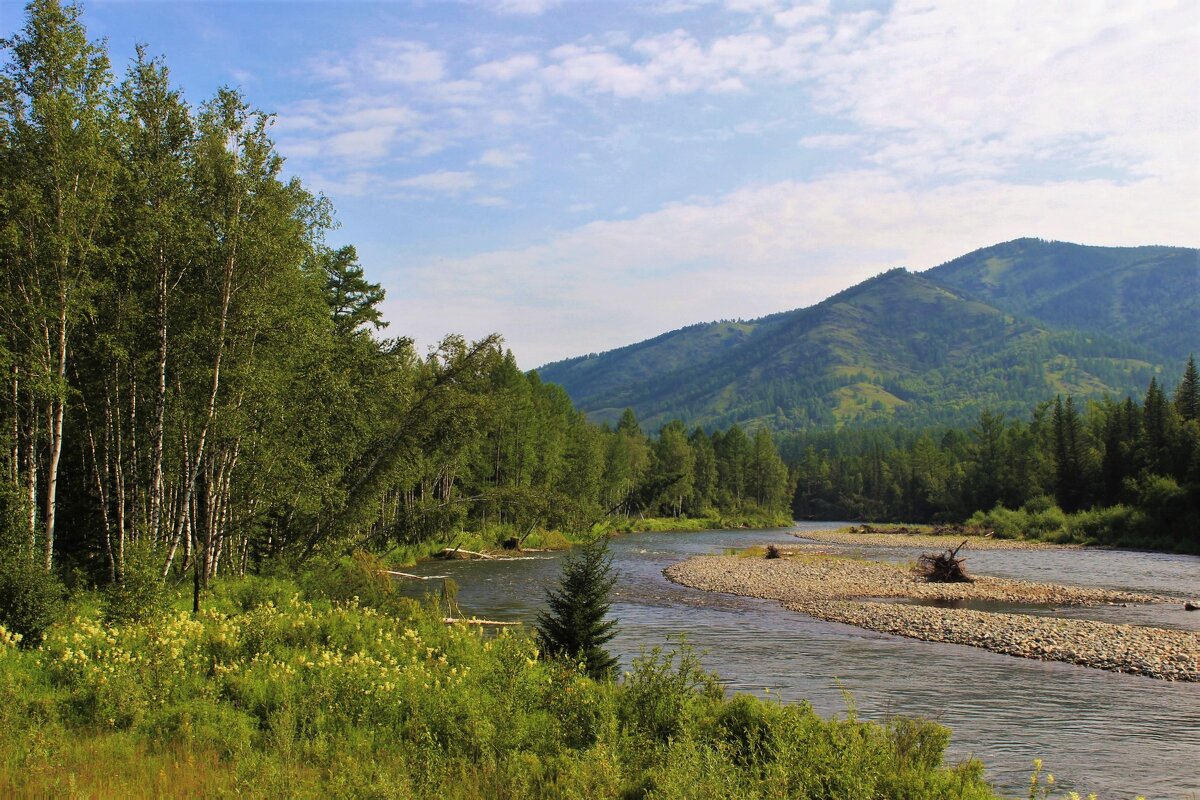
928 540
833 588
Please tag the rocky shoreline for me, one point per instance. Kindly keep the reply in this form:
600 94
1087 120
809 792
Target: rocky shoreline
926 540
847 590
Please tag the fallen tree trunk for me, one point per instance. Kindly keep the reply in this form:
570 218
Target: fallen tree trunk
412 577
447 552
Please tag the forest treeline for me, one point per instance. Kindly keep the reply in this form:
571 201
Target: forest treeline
1113 472
193 374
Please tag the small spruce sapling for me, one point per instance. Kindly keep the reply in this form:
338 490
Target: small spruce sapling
574 625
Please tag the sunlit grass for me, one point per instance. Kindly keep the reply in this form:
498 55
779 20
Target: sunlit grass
270 693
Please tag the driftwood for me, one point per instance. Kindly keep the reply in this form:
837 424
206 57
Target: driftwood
447 552
412 577
944 567
464 621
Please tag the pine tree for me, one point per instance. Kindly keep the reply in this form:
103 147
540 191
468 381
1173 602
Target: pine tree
574 626
1187 396
1068 460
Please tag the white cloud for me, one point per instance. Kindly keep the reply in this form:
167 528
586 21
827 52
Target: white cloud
359 145
384 60
506 69
442 181
524 8
799 15
677 63
763 249
979 87
667 7
402 61
831 141
503 158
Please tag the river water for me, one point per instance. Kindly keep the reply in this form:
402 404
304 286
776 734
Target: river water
1117 735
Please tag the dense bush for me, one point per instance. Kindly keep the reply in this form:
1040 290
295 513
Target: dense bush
140 592
30 598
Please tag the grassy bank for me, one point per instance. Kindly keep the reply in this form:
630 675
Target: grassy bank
1113 526
288 689
493 538
692 524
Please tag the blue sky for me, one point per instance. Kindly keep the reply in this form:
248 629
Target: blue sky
578 175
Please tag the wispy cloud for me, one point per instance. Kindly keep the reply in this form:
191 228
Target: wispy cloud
503 157
605 284
442 181
387 60
979 87
903 135
524 8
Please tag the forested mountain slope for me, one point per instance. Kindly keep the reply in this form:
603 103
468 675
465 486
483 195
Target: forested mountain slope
924 347
1146 295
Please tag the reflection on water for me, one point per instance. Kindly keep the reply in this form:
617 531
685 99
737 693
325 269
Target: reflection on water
1118 735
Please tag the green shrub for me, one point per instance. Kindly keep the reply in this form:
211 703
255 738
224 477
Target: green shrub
141 593
1005 522
657 695
203 724
918 743
252 591
747 725
361 577
1115 525
31 599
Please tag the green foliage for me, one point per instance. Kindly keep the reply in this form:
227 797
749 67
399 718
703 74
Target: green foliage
31 599
574 624
1034 520
140 593
747 727
308 697
663 692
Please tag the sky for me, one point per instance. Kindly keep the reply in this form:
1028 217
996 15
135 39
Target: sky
578 176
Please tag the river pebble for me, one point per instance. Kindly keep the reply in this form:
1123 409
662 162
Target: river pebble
846 590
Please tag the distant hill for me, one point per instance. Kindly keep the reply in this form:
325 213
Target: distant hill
1146 295
1001 328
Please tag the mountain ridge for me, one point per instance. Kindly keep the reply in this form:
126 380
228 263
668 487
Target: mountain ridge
994 328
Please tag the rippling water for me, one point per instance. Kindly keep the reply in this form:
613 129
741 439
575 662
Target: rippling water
1118 735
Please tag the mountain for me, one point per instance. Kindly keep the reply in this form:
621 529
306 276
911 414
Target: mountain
1001 328
1146 295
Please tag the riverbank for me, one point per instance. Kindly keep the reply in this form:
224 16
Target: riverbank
496 541
847 591
924 536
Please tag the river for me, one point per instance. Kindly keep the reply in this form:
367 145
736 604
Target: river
1117 735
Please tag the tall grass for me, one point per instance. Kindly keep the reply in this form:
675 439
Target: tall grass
274 692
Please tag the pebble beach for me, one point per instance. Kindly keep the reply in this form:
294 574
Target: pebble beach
856 592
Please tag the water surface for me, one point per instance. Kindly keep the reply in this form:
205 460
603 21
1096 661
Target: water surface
1118 735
